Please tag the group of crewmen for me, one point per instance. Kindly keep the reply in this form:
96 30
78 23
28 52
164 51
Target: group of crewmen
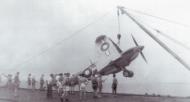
12 83
64 84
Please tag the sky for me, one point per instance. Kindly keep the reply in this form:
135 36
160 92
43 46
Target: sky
52 36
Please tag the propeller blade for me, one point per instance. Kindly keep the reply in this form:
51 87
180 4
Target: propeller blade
134 40
144 58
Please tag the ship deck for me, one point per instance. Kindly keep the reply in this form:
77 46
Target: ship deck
26 95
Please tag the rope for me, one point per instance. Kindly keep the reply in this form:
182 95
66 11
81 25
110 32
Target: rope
61 41
172 39
118 13
157 17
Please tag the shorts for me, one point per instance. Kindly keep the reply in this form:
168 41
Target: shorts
95 87
67 88
16 85
60 91
114 87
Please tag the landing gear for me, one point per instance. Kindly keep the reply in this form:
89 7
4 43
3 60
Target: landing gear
128 73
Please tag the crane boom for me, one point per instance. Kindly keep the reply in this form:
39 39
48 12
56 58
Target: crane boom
178 58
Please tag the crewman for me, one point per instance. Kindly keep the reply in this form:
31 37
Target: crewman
29 80
114 85
83 86
9 83
73 80
60 86
94 85
61 77
42 81
33 83
16 84
100 85
49 86
67 88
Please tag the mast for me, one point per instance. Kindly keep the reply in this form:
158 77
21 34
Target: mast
178 58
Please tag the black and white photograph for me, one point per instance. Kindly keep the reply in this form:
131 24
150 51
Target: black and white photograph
94 51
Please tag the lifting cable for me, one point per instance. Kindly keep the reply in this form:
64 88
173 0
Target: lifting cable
157 17
119 27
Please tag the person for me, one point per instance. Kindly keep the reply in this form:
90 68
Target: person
66 86
65 95
114 85
29 81
94 85
73 80
9 83
42 81
61 77
60 89
49 86
54 81
100 85
16 84
33 83
83 84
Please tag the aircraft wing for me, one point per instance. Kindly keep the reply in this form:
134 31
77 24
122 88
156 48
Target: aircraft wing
109 69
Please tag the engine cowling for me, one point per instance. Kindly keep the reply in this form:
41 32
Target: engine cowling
128 73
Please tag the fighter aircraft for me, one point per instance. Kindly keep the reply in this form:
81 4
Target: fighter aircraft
116 65
123 61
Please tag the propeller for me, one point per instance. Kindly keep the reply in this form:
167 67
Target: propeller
141 51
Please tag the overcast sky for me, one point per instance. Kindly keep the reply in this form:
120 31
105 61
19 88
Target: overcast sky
29 27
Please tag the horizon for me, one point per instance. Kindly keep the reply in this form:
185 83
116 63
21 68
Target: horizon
32 33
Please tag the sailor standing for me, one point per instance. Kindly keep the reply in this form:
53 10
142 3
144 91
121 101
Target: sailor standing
29 80
42 81
83 86
33 83
114 85
67 86
60 86
49 86
16 83
94 85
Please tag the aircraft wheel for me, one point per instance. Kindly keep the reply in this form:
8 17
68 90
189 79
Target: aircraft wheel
128 73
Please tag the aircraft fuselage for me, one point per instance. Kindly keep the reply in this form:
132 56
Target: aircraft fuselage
120 63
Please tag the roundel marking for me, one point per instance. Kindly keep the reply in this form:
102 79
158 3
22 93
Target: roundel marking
105 46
